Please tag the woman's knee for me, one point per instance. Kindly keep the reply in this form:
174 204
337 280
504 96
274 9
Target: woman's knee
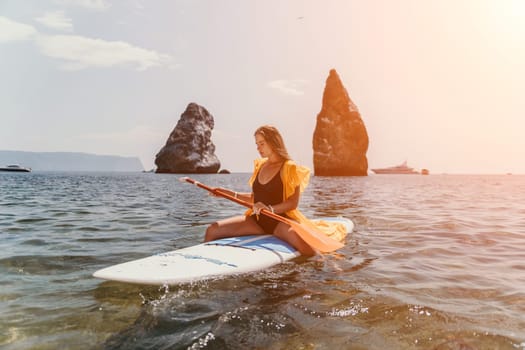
211 232
282 235
290 236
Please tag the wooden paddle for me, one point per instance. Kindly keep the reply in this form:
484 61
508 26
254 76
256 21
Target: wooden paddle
313 237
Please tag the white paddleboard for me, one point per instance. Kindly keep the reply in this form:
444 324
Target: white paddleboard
223 257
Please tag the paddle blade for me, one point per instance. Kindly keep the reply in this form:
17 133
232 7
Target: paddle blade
315 238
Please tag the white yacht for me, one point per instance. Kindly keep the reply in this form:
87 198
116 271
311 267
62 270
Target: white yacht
15 167
398 169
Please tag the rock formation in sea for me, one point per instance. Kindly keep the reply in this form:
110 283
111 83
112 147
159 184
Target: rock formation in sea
340 139
189 149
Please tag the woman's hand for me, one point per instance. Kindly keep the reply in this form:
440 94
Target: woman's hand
257 207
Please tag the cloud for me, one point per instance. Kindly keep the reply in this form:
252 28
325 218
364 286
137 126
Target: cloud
56 20
80 52
97 5
139 5
15 31
288 87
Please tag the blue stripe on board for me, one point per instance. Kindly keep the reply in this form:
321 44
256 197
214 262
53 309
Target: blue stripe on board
271 243
232 240
264 242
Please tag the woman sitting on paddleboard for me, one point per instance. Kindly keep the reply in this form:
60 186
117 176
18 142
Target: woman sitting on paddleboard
277 183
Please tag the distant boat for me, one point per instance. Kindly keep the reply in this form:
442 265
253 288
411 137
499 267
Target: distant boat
16 167
398 169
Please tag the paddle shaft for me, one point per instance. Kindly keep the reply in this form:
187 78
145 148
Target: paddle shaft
234 199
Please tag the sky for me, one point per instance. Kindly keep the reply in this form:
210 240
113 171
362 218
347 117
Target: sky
438 83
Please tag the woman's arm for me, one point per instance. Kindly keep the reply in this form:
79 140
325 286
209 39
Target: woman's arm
247 197
290 203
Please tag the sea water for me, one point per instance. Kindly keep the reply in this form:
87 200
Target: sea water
435 262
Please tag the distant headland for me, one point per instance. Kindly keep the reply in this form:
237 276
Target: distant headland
70 161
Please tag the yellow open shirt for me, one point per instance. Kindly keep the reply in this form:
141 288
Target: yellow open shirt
293 176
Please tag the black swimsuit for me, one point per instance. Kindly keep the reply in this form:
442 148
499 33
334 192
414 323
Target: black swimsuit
270 193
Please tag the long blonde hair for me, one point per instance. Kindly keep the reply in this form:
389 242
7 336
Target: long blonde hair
272 136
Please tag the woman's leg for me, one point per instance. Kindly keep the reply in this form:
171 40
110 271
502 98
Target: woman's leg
233 227
287 234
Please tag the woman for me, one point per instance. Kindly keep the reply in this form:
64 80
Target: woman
277 183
